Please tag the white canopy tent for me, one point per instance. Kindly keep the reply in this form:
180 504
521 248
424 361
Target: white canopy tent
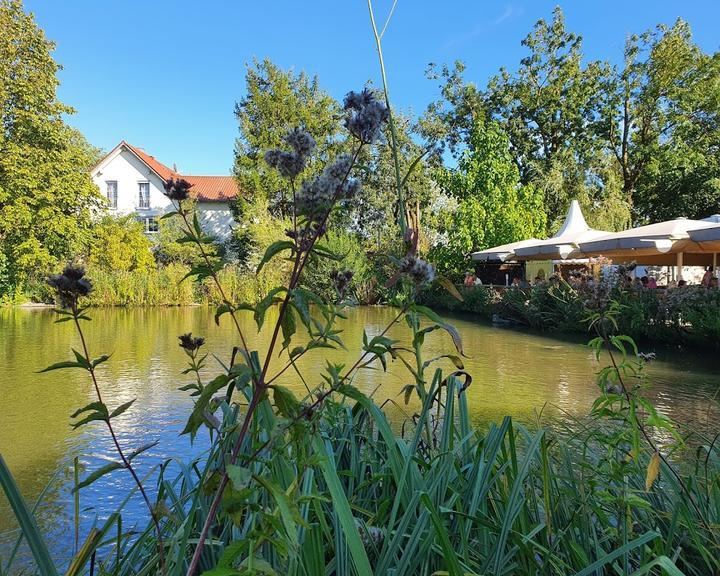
565 243
664 243
501 253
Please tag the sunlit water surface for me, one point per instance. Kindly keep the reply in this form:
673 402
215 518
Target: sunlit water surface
514 372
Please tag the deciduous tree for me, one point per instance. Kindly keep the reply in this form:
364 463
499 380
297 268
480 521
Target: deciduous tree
46 194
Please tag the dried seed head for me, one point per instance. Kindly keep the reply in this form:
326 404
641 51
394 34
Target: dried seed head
70 285
365 115
177 189
419 271
189 343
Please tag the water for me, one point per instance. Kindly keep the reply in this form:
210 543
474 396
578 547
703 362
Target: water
514 372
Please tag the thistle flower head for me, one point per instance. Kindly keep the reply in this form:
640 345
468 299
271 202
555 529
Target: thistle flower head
341 280
417 269
317 195
189 343
70 285
301 142
177 189
365 115
290 164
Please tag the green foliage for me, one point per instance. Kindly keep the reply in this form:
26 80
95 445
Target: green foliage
119 245
47 197
548 108
275 102
317 278
660 121
493 208
169 249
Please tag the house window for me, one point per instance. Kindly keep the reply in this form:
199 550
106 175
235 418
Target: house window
111 193
150 223
143 194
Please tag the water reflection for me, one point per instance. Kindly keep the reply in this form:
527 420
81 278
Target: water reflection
513 373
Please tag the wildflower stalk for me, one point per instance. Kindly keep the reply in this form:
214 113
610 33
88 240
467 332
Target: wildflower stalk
653 446
213 274
301 258
76 312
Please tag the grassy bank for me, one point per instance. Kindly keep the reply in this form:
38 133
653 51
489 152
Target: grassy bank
687 315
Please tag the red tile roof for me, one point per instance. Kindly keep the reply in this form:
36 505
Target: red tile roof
158 167
205 188
213 188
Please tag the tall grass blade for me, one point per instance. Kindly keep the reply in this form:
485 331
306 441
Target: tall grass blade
27 522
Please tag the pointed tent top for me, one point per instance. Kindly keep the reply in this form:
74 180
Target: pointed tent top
574 221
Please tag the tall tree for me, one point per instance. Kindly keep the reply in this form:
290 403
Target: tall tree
661 123
491 206
275 102
549 109
46 194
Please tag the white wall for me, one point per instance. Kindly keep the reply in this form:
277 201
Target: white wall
216 219
128 171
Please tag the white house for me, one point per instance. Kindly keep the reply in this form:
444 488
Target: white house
132 181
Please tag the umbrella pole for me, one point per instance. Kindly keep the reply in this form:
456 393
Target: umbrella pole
679 265
715 271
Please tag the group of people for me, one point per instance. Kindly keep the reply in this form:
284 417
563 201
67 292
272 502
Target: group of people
709 280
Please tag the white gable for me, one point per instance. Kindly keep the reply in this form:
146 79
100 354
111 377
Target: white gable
129 172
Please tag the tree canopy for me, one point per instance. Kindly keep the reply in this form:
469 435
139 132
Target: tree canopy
46 194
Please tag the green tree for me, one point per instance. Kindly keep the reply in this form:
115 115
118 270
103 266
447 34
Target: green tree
46 194
661 124
119 245
491 206
276 101
549 108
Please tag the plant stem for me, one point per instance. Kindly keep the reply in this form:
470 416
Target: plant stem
654 447
213 274
118 448
393 132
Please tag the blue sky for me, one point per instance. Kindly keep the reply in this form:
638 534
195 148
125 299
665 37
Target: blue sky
165 75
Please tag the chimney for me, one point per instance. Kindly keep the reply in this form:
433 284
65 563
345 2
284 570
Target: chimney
174 167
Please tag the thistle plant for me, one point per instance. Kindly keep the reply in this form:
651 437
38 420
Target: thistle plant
71 287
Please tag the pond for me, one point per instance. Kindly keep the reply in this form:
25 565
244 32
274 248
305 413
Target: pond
514 372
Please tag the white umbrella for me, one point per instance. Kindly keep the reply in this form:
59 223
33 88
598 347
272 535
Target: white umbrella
501 253
661 243
660 238
565 243
708 240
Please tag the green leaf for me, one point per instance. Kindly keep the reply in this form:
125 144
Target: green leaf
288 325
272 250
100 360
285 401
617 553
61 365
453 564
239 476
120 409
449 328
26 521
288 510
265 303
450 287
197 416
112 466
81 359
341 507
97 411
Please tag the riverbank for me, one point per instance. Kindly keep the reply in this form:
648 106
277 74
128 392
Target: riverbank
687 316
